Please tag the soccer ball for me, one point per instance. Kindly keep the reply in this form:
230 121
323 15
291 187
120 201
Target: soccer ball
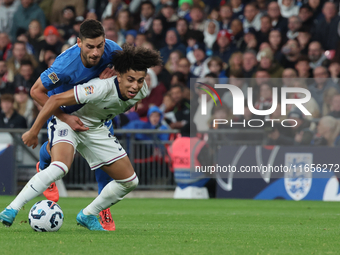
46 216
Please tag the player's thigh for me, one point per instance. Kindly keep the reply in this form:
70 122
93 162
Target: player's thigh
120 169
63 152
63 141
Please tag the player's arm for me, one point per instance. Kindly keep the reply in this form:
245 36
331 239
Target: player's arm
39 94
51 106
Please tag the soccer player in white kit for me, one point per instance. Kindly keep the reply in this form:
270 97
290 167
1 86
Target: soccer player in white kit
101 100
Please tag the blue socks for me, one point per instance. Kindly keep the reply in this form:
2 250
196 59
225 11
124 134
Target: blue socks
45 158
102 179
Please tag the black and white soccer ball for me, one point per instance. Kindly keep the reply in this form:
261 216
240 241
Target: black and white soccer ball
46 216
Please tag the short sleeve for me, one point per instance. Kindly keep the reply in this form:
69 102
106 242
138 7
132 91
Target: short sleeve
54 76
93 91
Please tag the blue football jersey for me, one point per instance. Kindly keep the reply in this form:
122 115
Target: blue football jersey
68 70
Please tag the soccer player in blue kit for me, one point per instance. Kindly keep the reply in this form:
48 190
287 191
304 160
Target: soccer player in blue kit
89 58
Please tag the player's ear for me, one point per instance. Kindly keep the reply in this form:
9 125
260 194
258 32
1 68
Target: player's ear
119 77
79 42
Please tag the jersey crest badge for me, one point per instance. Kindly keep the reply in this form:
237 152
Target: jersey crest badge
63 132
89 90
53 77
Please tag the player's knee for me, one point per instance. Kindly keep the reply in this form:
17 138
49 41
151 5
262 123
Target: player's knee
130 184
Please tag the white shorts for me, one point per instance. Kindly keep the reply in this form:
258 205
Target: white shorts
98 146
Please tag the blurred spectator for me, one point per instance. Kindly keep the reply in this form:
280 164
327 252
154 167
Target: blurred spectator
157 34
291 52
26 77
252 17
288 75
155 94
288 8
111 34
285 136
276 42
130 37
7 10
316 55
26 12
5 86
210 32
236 79
303 68
216 67
294 24
238 9
200 67
76 29
91 14
184 8
329 129
109 23
306 16
322 83
19 54
335 106
235 63
167 107
326 31
316 6
250 39
182 107
140 39
327 100
304 38
146 15
52 42
249 63
23 104
278 22
172 41
155 117
34 35
266 62
182 27
168 16
237 31
266 26
197 17
58 7
9 118
264 100
223 47
163 75
69 15
172 64
123 22
5 46
178 78
113 8
226 14
334 70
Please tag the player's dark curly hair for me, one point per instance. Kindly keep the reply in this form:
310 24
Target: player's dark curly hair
135 58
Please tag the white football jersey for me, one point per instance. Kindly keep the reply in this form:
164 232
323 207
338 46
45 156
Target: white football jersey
102 101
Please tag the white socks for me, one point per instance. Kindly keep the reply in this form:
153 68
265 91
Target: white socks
112 193
39 183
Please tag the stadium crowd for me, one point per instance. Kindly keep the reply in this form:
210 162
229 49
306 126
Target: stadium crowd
215 41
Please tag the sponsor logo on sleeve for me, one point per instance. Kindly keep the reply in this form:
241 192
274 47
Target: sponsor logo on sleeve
89 90
53 77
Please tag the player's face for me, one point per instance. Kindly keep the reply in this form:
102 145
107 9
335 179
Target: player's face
130 83
91 50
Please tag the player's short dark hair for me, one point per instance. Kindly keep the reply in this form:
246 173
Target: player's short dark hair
91 29
135 58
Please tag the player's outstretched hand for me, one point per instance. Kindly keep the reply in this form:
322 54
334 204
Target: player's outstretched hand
30 139
75 123
107 73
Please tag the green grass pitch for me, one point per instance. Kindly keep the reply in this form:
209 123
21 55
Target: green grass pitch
167 226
